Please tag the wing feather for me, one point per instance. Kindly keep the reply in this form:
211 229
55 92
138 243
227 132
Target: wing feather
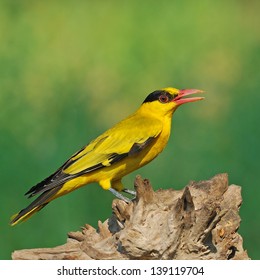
117 142
127 138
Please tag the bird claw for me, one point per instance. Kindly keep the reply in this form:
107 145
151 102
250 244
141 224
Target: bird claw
133 193
119 195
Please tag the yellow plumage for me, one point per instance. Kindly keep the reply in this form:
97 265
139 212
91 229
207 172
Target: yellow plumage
125 147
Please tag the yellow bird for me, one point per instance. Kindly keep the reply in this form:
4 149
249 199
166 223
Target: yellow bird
125 147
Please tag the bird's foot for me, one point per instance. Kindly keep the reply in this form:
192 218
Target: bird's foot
119 195
133 193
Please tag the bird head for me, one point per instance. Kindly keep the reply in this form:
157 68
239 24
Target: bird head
165 101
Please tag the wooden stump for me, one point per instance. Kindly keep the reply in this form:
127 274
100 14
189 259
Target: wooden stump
197 222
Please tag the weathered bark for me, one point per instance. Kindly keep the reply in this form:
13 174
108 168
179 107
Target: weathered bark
197 222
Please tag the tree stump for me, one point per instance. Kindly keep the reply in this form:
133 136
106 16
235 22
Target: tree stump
197 222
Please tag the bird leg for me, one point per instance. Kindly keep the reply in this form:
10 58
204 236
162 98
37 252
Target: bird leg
119 195
133 193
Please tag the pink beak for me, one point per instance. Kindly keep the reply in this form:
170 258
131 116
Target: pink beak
184 92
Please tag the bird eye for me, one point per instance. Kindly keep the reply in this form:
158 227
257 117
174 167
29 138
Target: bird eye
163 98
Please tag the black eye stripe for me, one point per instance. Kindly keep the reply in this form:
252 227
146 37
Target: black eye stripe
156 95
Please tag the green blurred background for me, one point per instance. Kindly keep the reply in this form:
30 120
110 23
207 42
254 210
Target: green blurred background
71 69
